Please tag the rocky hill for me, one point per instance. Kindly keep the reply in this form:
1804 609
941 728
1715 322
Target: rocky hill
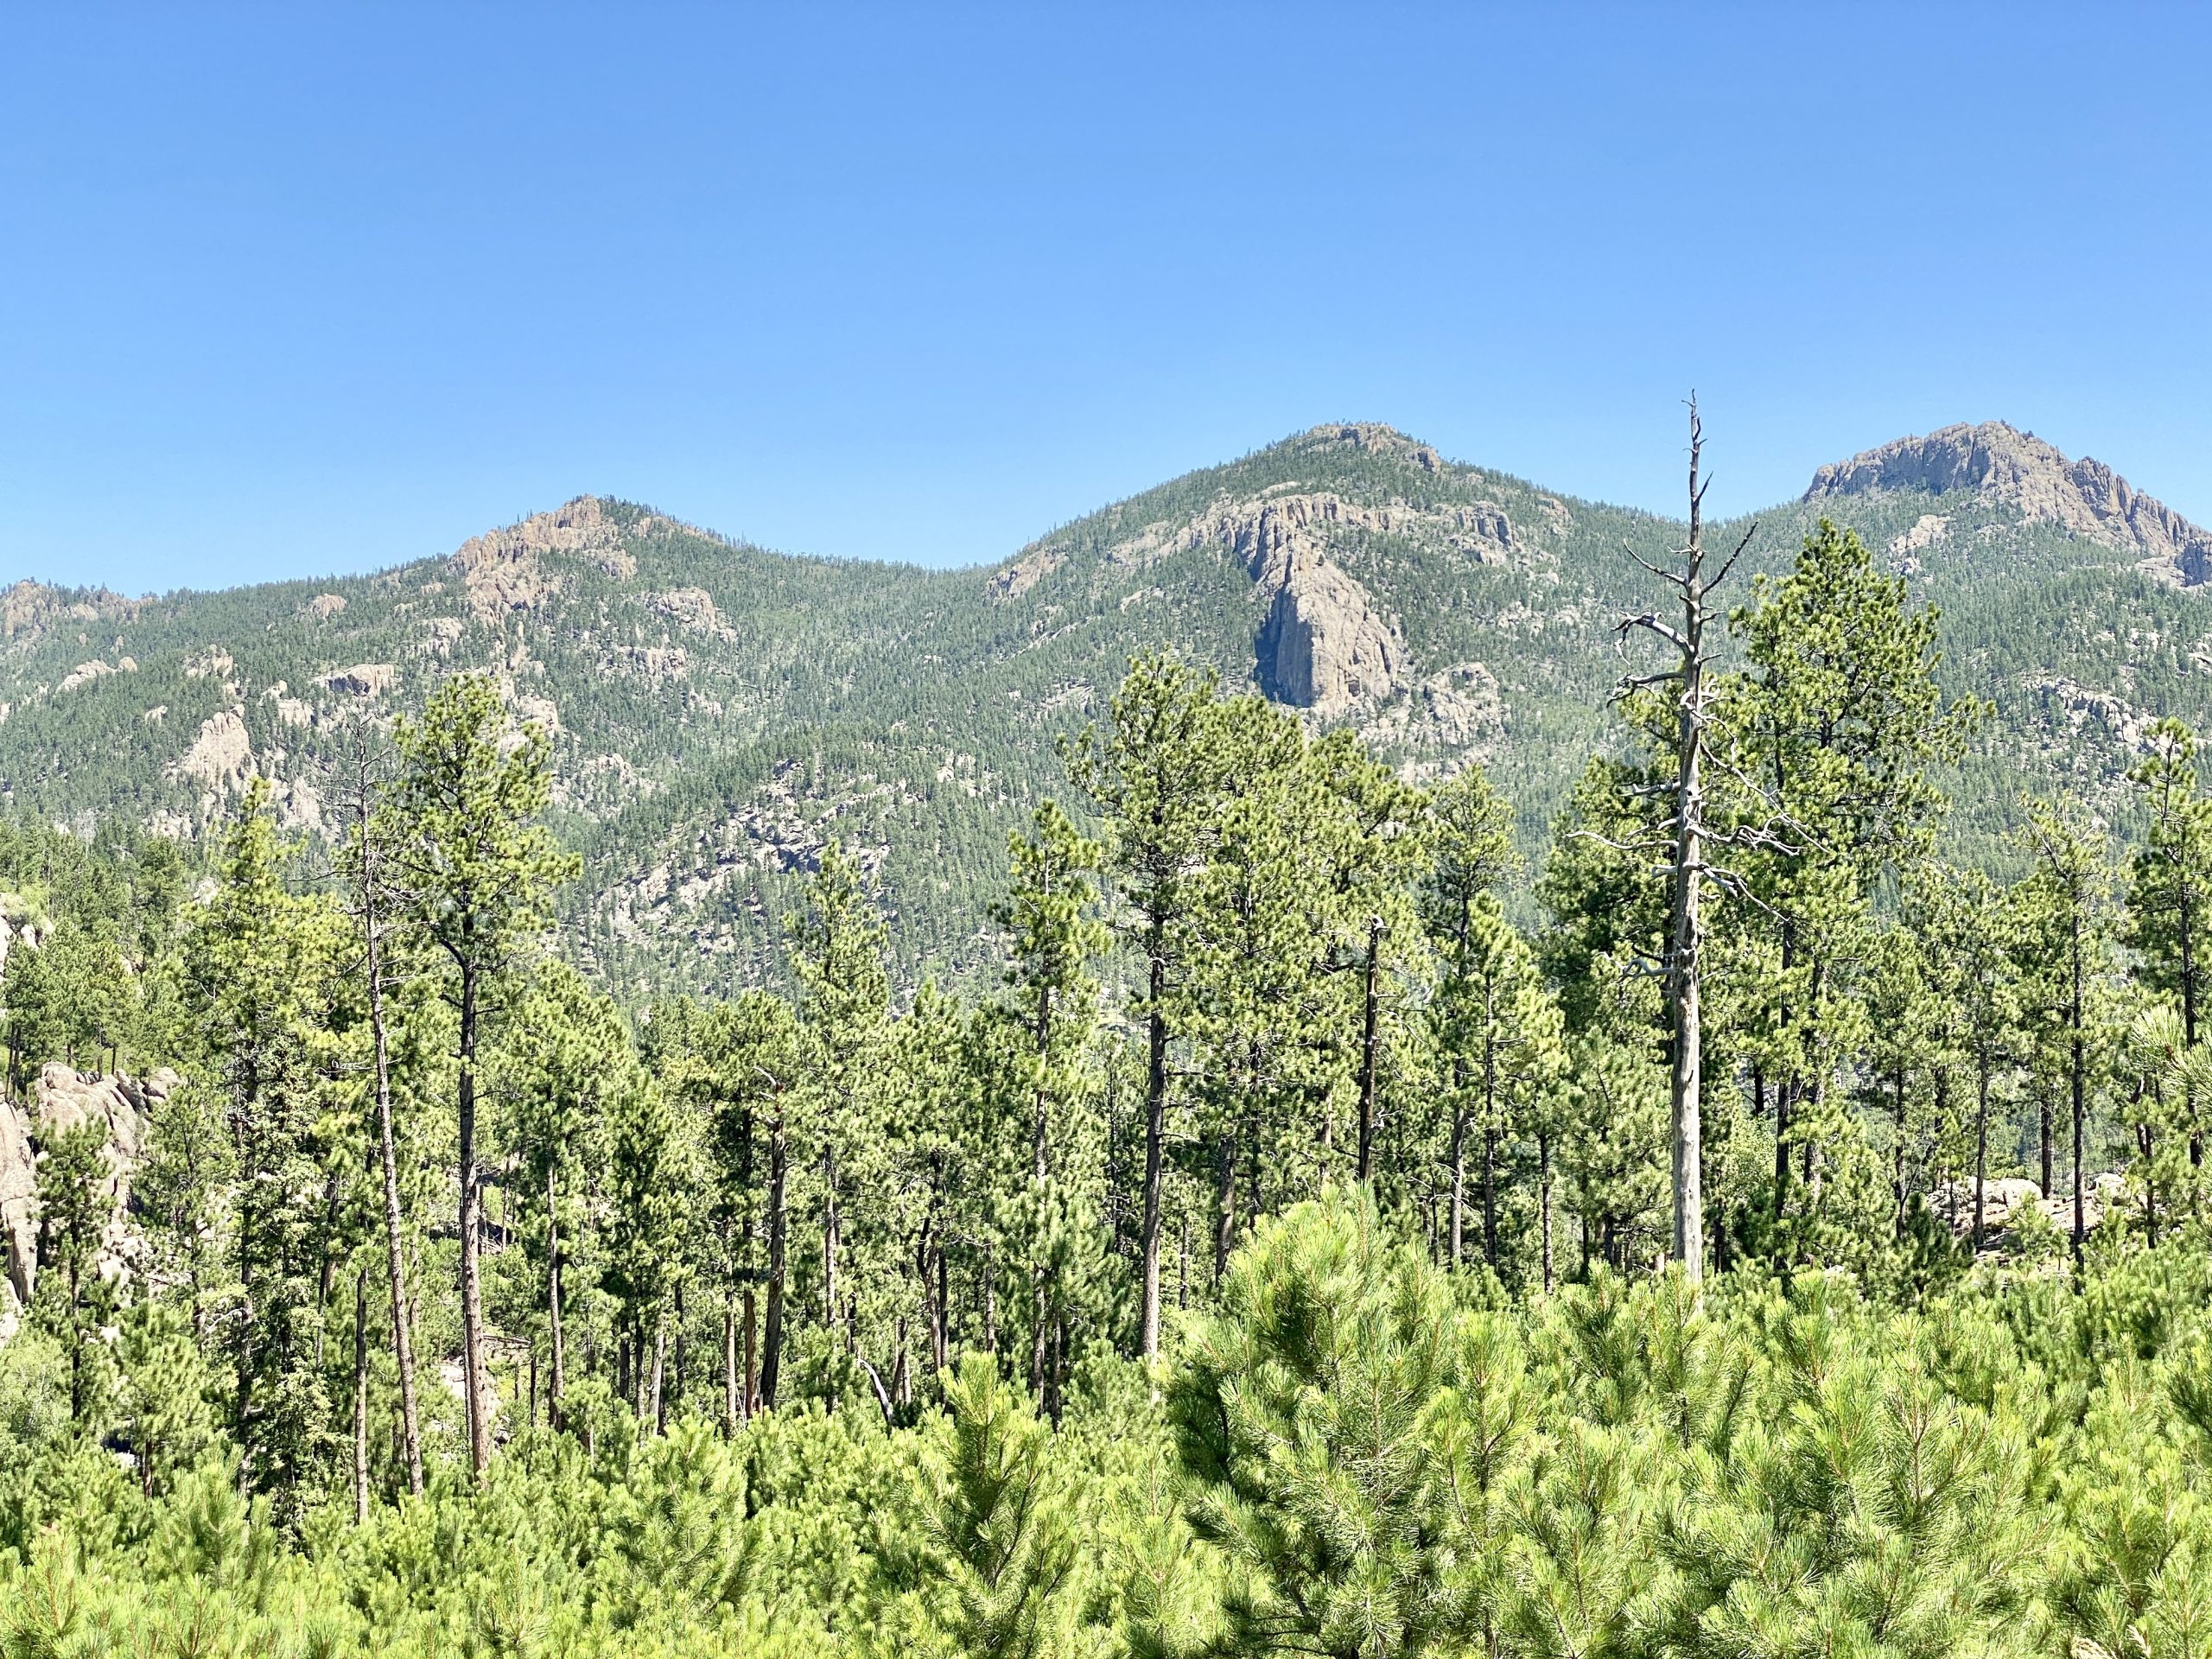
719 712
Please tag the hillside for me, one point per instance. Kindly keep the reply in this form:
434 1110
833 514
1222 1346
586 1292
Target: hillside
720 711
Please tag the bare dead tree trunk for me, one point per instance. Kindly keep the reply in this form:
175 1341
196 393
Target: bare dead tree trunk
1686 876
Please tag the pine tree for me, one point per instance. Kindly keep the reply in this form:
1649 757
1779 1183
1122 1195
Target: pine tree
2066 925
260 964
836 954
476 872
1052 935
562 1067
2172 881
74 1202
1156 774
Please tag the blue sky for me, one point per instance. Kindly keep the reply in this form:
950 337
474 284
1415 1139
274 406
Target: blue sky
308 288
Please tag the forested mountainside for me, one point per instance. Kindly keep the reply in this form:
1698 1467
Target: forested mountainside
719 713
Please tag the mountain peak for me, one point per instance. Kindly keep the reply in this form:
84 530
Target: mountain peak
2001 463
1372 437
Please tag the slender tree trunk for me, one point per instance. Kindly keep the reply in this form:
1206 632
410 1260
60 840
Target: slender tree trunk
403 1338
1981 1145
1458 1210
1370 1019
660 1359
751 1392
1039 1169
772 1342
327 1261
1225 1229
1897 1173
1685 929
558 1381
1055 1377
941 1331
361 1396
1490 1152
2077 1077
730 1382
1155 1136
1544 1197
471 1226
683 1352
990 1298
2043 1136
829 1239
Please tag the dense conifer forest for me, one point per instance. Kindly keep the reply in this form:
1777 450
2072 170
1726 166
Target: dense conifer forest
1293 1236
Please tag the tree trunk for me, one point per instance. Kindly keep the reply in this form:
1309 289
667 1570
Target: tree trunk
1980 1144
1489 1148
829 1239
1897 1173
361 1396
772 1342
1155 1136
1224 1226
1459 1205
2043 1136
731 1385
556 1383
403 1339
1685 931
1544 1192
1370 1019
750 1393
472 1223
660 1359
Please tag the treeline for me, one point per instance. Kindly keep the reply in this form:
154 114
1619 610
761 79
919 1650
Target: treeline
421 1192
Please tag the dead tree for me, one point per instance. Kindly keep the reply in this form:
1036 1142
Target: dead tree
1692 839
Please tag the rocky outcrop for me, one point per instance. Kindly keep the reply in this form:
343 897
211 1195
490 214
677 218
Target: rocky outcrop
84 674
362 680
1374 438
221 756
694 610
30 609
504 569
323 606
66 1099
2018 470
2006 1201
18 1206
1323 647
1033 567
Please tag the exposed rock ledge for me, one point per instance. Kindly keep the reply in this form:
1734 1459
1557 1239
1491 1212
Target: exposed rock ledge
2002 464
502 569
67 1098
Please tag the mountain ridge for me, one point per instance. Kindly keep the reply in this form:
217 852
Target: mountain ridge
720 712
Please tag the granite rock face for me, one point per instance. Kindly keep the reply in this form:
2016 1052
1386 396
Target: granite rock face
1323 647
2002 464
65 1099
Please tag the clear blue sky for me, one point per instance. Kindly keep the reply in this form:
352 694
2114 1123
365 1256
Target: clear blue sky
308 287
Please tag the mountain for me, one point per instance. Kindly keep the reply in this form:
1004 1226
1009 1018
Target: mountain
720 711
